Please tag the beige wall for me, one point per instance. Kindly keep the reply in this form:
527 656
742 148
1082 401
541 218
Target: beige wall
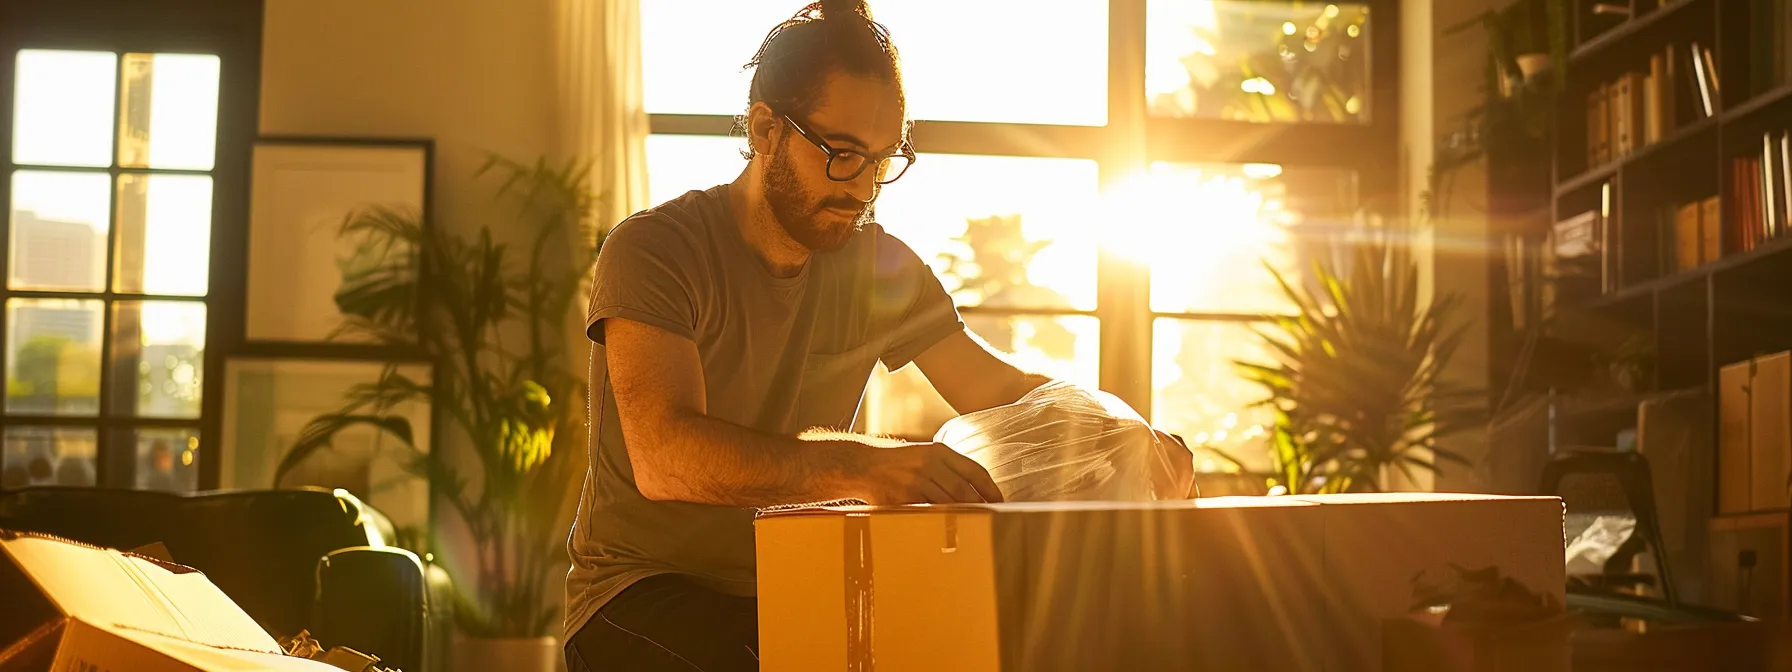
1441 82
475 75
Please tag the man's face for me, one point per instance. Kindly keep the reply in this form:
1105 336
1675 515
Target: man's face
855 113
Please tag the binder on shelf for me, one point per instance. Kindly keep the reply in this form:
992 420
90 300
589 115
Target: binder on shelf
1687 236
1712 228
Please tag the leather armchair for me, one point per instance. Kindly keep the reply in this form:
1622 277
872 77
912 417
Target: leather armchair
308 559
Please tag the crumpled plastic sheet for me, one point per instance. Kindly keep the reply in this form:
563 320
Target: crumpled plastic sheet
1062 442
1598 543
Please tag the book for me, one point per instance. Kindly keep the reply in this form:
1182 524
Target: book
1786 168
1711 226
1706 89
1671 98
1770 209
1624 140
1652 101
1579 256
1687 236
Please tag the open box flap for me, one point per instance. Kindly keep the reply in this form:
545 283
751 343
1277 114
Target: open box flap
120 590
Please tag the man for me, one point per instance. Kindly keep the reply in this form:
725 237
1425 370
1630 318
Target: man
734 319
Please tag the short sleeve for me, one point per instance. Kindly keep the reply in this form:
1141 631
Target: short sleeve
930 315
644 273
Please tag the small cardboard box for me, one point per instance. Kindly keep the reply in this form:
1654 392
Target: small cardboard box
1422 642
1227 583
69 606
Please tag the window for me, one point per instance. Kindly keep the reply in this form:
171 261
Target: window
110 178
1049 232
1249 60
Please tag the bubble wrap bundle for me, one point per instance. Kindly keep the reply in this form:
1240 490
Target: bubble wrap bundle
1062 442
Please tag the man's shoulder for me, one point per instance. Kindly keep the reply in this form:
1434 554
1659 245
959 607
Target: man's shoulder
675 224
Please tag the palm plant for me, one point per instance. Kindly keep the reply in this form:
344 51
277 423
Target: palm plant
1358 389
519 403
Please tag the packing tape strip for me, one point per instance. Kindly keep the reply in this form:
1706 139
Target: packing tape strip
859 596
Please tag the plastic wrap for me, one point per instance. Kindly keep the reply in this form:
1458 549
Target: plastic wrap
1061 442
1588 552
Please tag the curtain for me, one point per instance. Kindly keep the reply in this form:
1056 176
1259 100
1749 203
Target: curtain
601 114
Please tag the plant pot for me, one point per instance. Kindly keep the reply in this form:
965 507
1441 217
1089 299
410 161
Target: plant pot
1531 64
513 654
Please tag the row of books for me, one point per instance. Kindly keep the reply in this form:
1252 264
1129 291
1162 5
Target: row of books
1761 188
1698 233
1640 108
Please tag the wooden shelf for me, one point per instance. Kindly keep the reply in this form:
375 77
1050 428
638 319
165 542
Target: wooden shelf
1603 172
1606 170
1573 408
1759 102
1616 35
1767 250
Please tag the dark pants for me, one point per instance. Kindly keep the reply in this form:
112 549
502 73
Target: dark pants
669 623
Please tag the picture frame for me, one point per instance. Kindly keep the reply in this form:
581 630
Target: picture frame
301 191
269 400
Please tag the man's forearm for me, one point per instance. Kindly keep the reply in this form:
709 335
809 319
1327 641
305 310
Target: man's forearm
700 459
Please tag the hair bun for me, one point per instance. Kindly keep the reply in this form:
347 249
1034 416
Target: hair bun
832 9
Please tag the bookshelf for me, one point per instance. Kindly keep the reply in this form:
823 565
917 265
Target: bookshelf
1674 128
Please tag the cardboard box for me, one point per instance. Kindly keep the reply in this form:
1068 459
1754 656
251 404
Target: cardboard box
1422 642
1755 434
1284 583
75 607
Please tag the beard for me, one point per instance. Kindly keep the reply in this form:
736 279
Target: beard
803 217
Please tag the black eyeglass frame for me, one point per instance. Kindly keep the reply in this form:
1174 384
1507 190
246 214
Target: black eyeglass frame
905 150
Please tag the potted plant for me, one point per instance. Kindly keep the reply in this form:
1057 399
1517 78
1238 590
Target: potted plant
1358 389
495 329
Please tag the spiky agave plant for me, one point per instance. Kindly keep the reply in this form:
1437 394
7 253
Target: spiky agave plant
520 404
1358 388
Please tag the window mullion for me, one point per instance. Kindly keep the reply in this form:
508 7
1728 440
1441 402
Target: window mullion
112 470
1123 286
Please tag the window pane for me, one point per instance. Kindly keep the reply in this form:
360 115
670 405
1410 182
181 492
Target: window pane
1001 231
1207 232
1196 392
53 356
1247 60
59 222
903 403
680 163
63 106
49 456
1040 67
164 234
158 358
167 459
170 113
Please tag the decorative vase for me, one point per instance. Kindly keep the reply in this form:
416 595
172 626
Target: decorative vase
1531 64
512 654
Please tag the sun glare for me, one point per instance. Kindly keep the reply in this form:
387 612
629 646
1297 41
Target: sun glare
1184 217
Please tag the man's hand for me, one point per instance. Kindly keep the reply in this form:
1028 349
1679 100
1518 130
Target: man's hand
1181 462
923 473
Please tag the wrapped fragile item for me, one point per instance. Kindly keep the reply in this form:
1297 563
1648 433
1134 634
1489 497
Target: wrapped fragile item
1062 442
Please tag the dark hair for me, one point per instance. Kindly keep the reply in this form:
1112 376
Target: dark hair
821 38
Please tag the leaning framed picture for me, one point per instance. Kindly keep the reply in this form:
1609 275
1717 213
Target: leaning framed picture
268 403
302 192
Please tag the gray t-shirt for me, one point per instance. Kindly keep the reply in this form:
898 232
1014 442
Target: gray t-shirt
779 354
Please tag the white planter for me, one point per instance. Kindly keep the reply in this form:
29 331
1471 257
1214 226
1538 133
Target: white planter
509 654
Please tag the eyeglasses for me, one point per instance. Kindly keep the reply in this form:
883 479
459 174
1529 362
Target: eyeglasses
845 165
